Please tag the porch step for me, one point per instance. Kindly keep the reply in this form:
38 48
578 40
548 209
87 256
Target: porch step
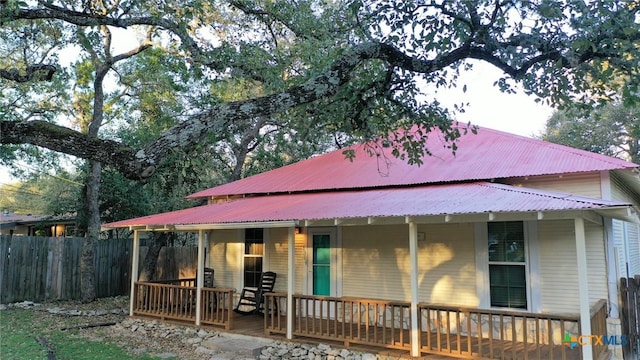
234 346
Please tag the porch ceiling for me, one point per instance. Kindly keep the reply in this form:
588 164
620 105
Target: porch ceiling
465 202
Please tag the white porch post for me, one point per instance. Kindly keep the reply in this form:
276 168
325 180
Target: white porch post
413 259
135 262
583 286
290 280
200 275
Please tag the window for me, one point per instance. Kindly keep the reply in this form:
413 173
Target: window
507 264
253 254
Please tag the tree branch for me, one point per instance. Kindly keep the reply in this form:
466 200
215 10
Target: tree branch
32 72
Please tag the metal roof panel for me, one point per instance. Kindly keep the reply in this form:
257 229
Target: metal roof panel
445 199
488 155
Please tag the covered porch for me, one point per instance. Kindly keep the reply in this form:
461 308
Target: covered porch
382 325
413 328
405 315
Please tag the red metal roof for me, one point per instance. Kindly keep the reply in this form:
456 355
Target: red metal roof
488 155
447 199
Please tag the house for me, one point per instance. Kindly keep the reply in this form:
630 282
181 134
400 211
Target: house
36 225
511 248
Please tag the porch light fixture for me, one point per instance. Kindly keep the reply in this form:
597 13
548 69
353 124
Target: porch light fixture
298 230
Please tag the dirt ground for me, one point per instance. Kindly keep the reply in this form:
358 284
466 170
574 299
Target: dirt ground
101 312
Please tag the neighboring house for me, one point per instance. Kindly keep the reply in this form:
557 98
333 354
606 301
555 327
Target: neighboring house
511 246
36 225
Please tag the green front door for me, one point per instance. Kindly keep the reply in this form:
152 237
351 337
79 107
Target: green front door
321 264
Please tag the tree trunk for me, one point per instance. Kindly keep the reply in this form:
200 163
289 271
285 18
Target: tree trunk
87 268
150 262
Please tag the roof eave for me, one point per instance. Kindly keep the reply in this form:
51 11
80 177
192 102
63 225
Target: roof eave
206 226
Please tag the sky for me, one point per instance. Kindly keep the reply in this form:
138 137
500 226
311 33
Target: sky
488 107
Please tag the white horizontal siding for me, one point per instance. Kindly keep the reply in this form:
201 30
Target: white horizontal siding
447 265
622 192
276 248
225 257
558 267
596 262
587 184
376 263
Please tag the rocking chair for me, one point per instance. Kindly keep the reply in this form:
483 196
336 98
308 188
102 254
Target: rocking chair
253 298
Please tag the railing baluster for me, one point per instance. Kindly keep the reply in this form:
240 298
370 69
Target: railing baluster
514 336
525 335
563 348
439 325
458 333
468 322
480 333
490 335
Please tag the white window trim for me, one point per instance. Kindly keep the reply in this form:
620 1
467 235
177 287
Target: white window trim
532 267
265 264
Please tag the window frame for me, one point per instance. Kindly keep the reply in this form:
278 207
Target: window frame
531 266
510 264
245 255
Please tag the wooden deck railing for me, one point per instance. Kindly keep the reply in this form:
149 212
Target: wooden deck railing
217 307
275 309
599 327
468 332
444 330
164 301
177 302
362 321
187 282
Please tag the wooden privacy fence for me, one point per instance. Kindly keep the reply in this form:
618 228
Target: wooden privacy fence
42 269
630 316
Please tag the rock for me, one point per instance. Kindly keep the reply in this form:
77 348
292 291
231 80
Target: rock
139 351
368 356
193 341
205 350
167 355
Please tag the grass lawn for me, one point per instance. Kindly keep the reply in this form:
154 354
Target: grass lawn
28 335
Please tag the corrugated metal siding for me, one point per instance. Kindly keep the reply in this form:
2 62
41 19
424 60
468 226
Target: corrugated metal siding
587 184
489 155
558 275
